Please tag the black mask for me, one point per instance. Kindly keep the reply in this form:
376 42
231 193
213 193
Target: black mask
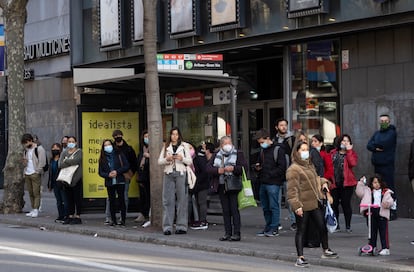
118 139
55 152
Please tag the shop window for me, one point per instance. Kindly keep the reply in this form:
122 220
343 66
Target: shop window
315 94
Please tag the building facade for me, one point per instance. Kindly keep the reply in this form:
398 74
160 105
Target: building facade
329 67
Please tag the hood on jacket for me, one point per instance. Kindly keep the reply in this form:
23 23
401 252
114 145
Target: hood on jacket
296 156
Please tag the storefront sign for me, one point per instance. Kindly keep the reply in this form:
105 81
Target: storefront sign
1 50
189 99
97 126
182 62
49 48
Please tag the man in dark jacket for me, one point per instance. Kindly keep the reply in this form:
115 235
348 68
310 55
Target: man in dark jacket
382 145
272 170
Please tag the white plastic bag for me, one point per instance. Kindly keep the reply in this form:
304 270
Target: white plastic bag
330 219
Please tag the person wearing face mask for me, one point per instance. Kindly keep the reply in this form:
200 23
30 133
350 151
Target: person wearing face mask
34 160
383 144
175 156
344 159
112 165
57 186
73 156
144 181
305 195
228 161
122 146
271 170
64 142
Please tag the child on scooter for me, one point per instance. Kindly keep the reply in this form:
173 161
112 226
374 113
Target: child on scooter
375 192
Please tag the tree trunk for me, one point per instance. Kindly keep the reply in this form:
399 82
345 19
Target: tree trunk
153 108
15 18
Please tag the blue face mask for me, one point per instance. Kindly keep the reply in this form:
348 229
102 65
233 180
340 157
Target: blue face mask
146 141
264 145
71 145
108 148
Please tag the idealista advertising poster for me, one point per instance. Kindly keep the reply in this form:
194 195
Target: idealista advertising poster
96 127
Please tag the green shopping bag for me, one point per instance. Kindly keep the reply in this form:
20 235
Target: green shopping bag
245 197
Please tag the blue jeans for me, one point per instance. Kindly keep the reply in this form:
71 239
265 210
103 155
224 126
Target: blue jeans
269 199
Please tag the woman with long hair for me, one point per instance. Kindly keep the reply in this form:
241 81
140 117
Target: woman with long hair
112 165
175 156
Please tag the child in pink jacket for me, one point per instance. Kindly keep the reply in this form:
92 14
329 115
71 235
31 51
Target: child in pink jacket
375 191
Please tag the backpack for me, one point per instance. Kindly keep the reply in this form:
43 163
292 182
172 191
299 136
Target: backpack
276 153
46 166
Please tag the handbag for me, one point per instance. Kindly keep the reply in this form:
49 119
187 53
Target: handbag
232 183
128 174
191 177
245 198
66 174
330 218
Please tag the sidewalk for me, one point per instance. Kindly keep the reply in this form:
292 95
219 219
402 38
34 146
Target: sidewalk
278 248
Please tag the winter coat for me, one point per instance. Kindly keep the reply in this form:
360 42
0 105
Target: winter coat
66 159
327 165
385 139
120 165
304 184
130 154
350 161
272 172
364 192
203 178
317 161
180 166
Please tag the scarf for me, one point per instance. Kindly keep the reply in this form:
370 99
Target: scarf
223 159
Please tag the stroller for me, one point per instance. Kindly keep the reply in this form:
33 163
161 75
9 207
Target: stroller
368 249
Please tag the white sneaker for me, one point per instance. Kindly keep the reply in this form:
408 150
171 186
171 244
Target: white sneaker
140 218
35 213
384 252
146 224
29 214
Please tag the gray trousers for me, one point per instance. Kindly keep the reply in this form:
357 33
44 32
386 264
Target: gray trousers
175 196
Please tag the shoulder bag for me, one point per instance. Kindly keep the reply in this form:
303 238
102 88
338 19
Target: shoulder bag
66 174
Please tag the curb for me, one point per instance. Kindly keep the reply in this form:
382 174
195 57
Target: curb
342 263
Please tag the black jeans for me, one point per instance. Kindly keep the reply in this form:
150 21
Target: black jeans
343 196
231 213
302 222
378 224
119 190
74 196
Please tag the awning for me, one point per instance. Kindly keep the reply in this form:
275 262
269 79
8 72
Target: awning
125 79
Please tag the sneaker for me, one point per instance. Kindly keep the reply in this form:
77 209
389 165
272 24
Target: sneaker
35 213
59 220
195 225
272 233
140 218
348 230
29 214
146 224
384 252
261 233
301 262
293 227
279 227
328 253
199 226
412 242
107 221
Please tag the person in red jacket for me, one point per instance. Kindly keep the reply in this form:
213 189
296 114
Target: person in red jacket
344 159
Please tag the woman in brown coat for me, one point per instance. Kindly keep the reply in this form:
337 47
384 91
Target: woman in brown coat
304 196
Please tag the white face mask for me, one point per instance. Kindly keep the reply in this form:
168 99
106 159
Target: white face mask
227 148
304 155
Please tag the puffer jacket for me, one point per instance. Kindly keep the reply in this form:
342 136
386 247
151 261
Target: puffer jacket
364 192
304 184
385 139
